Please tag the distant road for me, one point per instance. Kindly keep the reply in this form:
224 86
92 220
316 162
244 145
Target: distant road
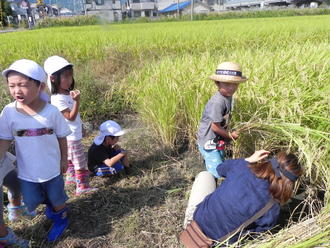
10 30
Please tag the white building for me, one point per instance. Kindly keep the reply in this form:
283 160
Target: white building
142 8
110 10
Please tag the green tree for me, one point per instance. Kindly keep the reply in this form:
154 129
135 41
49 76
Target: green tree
5 11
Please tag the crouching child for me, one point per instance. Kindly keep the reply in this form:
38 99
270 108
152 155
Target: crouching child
105 156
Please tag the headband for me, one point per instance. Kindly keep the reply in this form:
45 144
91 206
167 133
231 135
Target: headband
277 169
228 72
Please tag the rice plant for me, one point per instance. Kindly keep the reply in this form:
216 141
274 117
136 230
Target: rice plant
284 104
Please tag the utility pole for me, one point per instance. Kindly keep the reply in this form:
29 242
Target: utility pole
177 6
191 10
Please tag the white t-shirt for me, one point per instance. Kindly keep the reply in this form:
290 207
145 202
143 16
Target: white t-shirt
63 102
37 148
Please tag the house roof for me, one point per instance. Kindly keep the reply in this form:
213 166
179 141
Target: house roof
175 7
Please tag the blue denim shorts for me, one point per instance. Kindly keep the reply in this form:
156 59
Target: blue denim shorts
51 192
212 159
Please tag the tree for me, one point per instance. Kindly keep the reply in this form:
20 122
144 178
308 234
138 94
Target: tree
5 11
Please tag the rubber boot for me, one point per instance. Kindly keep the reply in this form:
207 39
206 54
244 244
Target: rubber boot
12 240
16 212
82 181
70 175
60 223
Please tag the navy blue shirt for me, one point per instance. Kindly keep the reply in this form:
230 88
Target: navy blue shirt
237 199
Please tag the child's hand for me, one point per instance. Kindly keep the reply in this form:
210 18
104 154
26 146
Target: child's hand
75 94
257 156
234 135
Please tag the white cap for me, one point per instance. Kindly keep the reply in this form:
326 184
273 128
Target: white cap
108 128
28 68
54 64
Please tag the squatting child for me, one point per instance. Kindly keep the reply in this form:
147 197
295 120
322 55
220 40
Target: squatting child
105 156
213 132
39 131
61 84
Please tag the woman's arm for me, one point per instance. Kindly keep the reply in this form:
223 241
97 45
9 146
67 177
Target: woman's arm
257 156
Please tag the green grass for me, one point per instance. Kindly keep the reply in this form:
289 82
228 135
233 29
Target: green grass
160 70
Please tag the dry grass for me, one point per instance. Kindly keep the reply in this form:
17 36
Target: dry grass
146 208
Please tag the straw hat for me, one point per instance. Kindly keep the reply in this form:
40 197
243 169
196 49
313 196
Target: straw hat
229 72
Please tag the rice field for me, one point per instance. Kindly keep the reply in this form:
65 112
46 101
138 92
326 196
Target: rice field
160 70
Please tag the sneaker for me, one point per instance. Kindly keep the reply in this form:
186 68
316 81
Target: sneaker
81 191
16 212
28 214
12 240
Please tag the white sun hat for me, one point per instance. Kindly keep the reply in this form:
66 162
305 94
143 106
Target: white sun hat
28 68
52 65
108 128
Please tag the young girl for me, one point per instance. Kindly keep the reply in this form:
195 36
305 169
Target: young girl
67 100
39 131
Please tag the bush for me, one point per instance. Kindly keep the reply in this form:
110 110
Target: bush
68 21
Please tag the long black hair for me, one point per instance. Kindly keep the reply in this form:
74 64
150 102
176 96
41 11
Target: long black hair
57 79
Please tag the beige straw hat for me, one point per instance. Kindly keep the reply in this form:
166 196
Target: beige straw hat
229 72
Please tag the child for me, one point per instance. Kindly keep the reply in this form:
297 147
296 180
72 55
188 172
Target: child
39 131
105 157
67 100
8 178
214 122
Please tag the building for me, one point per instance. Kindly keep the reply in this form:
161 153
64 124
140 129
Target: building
109 10
142 8
184 8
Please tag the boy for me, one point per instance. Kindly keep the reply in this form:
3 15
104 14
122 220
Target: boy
105 157
39 131
214 122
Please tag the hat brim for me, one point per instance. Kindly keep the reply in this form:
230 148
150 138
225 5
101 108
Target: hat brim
228 79
98 140
120 133
5 72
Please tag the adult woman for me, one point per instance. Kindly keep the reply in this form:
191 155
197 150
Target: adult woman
248 186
